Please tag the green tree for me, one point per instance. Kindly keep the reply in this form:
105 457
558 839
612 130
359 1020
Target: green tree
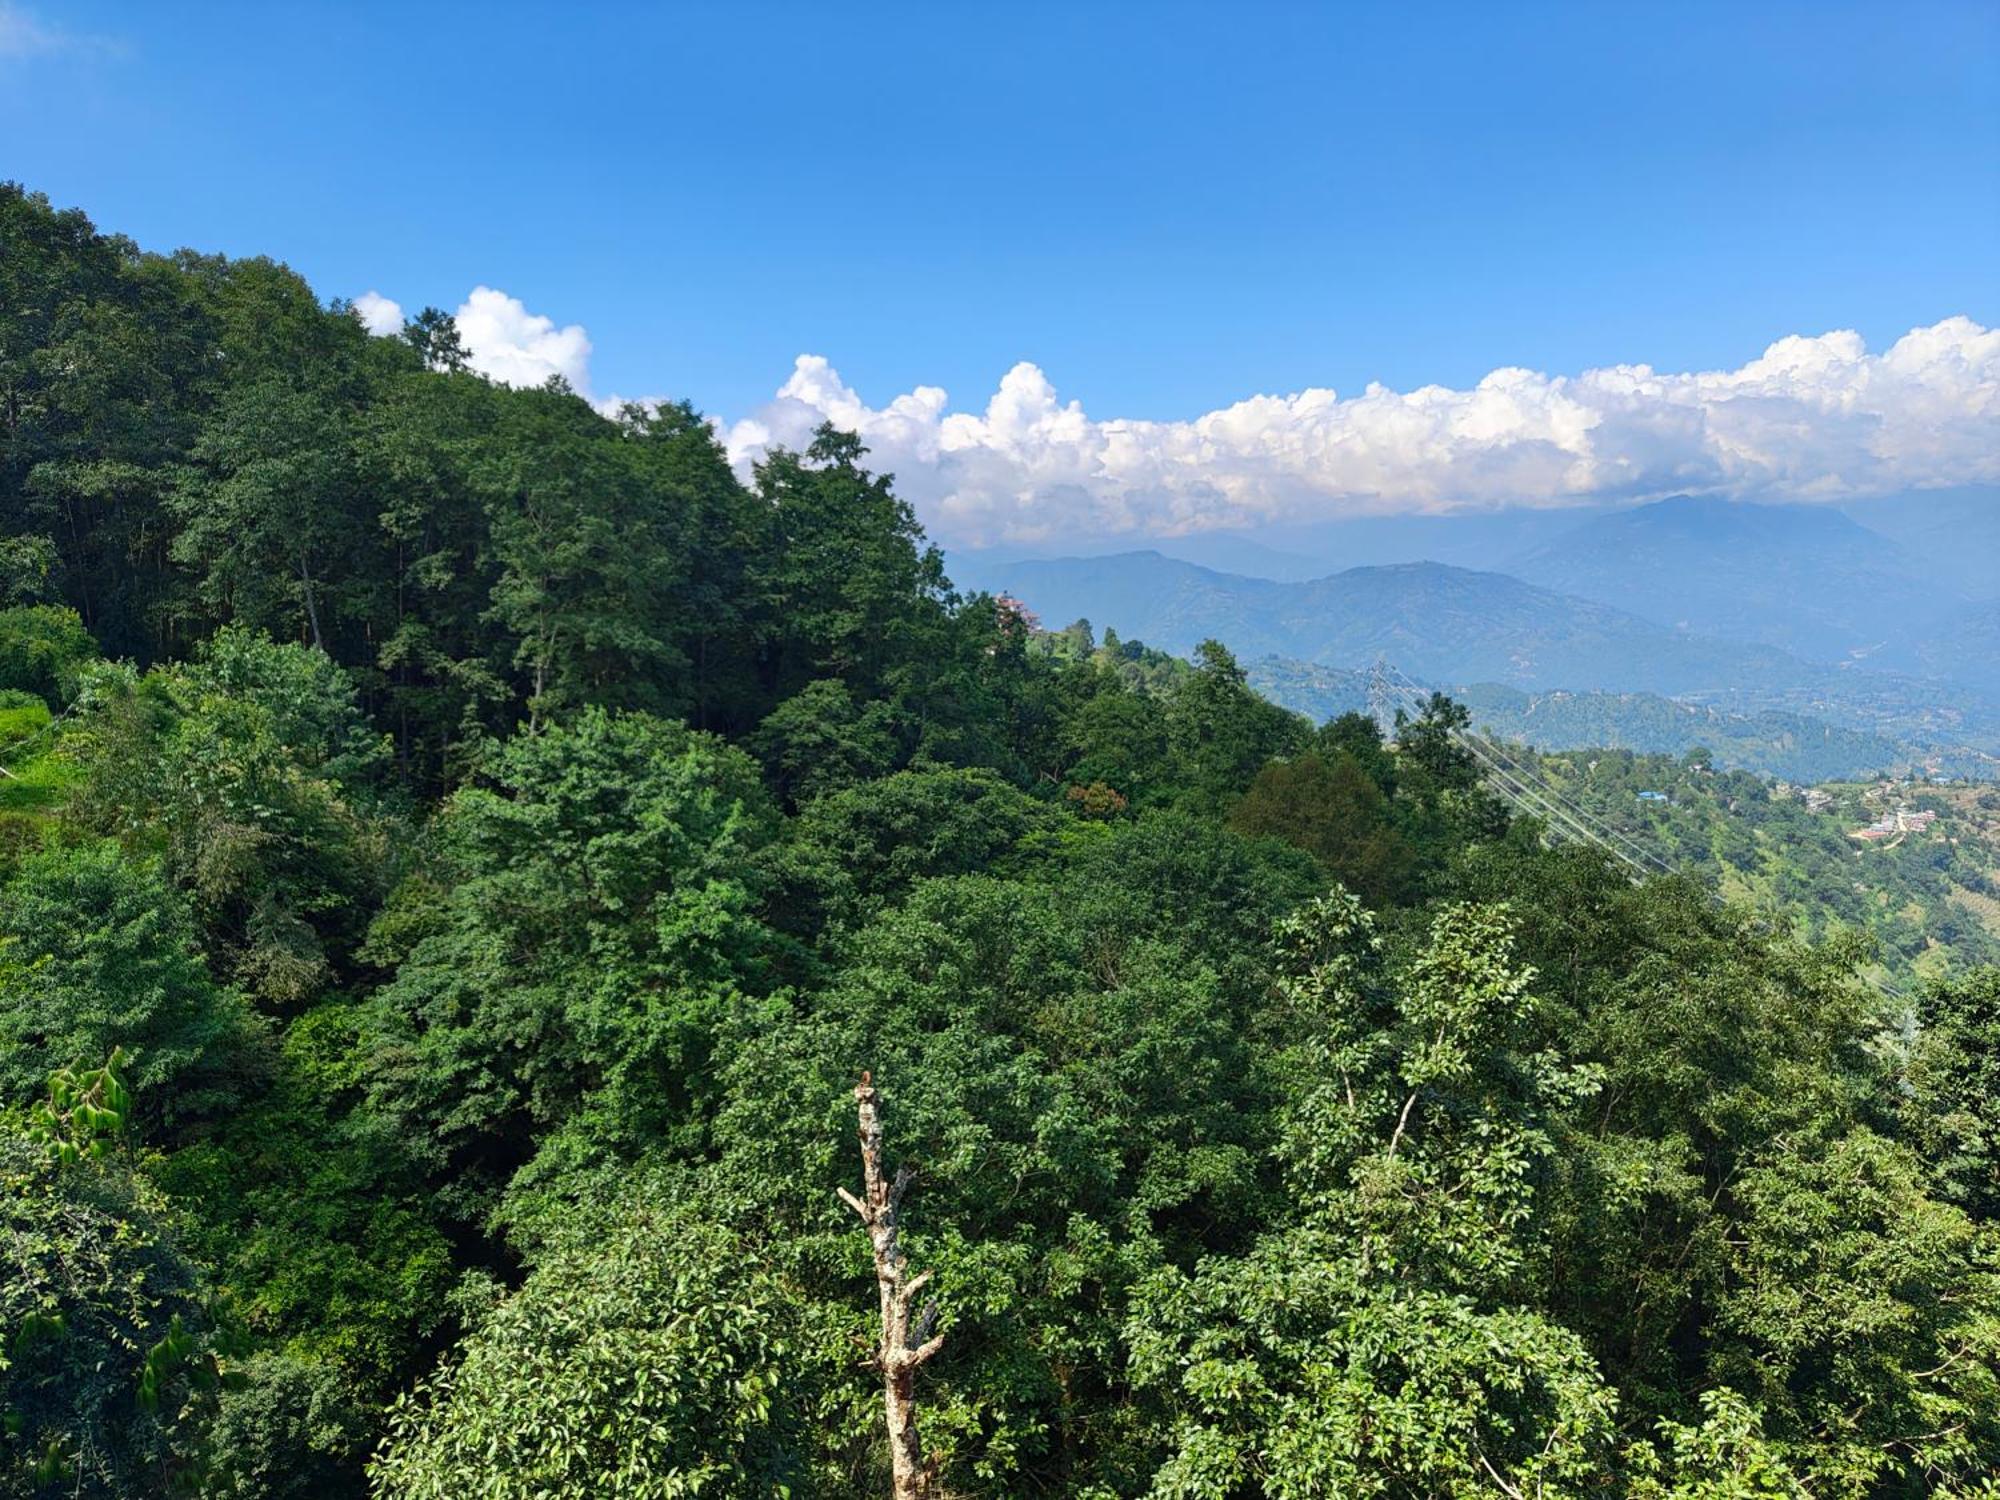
1290 1374
1863 1317
106 369
1119 737
111 1364
854 851
439 669
314 1216
285 1429
252 773
96 953
652 1356
590 918
1378 1346
268 514
1331 808
1083 1106
1445 807
27 564
1953 1103
717 531
43 650
1724 1456
852 590
433 333
820 740
587 571
1359 736
1221 733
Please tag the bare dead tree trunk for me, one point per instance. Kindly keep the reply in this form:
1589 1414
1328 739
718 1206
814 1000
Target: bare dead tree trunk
906 1342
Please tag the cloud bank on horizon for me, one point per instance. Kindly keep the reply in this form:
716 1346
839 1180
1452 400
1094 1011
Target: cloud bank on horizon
1812 418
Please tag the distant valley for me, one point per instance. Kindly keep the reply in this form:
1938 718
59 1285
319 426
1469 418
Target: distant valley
1772 742
1785 638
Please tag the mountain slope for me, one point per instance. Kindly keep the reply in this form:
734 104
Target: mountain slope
1805 578
1963 648
1956 532
1772 743
1441 623
1453 625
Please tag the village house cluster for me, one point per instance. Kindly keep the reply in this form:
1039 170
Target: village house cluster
1902 820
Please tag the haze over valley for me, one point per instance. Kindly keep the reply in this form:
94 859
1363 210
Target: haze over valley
1736 608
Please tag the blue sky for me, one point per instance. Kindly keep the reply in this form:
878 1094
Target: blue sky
1165 208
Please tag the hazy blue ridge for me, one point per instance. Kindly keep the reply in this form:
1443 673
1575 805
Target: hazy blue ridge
1805 578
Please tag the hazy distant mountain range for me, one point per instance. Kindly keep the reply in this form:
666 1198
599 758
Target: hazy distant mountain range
1962 648
1955 532
1806 578
1858 643
1436 622
1773 742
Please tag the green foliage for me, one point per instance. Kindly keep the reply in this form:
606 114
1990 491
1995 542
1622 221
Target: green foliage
652 1358
315 1219
819 740
1422 1121
852 584
1360 737
285 1429
1334 810
265 510
1864 1319
1953 1102
97 954
85 1114
855 851
108 1363
1371 1350
595 919
249 771
1118 738
1079 1100
1725 1456
43 650
1220 732
26 563
585 583
1287 1374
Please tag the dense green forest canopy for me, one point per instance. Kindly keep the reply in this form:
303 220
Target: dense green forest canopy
460 848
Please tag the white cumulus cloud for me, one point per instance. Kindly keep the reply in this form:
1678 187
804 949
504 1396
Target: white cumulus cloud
507 343
1811 418
503 340
380 315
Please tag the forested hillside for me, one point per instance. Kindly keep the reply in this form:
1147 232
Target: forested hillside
1772 742
1914 866
461 850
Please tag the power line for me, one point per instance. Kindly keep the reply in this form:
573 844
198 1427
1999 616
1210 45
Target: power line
1488 751
1539 798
